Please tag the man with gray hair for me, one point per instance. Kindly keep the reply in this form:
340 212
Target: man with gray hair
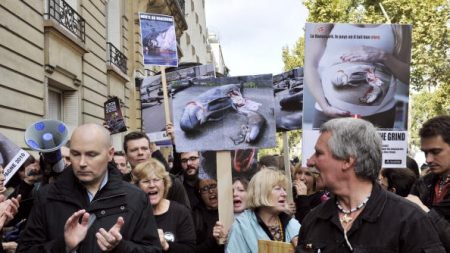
361 216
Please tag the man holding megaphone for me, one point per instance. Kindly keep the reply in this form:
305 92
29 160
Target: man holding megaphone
48 137
89 208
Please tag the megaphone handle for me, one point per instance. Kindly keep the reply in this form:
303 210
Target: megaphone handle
59 166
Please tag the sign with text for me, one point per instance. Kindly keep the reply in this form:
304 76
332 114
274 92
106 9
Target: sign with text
11 157
361 71
113 116
159 40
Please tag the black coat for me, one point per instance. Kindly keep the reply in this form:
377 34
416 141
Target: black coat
388 223
56 202
439 214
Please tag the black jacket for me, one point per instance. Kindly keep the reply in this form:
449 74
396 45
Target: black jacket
388 223
56 202
439 214
424 189
204 221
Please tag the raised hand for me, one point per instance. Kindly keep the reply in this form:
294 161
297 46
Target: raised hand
170 131
291 209
8 209
107 241
300 187
74 231
219 233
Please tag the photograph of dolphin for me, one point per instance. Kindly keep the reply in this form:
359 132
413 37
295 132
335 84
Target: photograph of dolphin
288 90
153 118
225 113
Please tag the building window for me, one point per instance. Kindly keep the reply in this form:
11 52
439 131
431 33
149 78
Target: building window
192 5
193 50
201 30
63 104
196 18
55 104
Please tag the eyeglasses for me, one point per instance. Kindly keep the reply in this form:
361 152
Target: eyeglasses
206 188
191 159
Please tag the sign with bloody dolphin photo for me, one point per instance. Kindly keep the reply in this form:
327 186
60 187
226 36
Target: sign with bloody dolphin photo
225 113
360 71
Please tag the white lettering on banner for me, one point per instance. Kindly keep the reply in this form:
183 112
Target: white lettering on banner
15 164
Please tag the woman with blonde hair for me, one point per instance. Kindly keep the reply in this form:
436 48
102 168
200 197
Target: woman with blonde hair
175 224
308 193
265 218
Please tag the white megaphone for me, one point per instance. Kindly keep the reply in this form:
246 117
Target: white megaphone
47 137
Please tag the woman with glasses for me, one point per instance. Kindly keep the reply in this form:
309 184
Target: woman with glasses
206 218
266 218
175 224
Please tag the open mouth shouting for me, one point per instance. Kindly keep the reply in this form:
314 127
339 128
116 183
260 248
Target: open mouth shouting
154 197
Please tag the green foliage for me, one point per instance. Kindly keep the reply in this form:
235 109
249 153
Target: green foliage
294 139
425 105
294 58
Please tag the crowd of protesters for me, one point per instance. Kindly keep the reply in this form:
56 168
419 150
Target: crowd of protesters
136 200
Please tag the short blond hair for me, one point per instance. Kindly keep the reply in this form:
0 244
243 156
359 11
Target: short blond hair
261 185
148 168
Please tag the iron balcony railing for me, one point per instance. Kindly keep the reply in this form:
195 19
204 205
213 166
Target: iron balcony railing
66 16
117 58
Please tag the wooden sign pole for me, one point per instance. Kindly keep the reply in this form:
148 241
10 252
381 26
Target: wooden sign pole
224 189
287 166
165 95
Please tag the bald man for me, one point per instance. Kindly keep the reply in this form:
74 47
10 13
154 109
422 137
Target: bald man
89 208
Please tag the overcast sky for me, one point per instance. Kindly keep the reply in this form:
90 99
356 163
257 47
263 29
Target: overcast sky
253 32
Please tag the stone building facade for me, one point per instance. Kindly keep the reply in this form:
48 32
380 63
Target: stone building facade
63 59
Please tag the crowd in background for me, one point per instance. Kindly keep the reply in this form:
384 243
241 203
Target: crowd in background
136 200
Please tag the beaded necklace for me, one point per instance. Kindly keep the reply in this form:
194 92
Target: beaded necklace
346 218
440 188
277 231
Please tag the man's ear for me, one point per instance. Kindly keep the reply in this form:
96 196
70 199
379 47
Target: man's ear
111 153
393 190
349 163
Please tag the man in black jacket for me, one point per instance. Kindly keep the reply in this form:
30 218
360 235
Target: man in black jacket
361 216
89 208
432 192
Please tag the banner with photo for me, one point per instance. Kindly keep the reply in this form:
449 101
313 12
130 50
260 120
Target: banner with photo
243 163
357 70
11 157
113 116
153 117
288 90
159 40
225 114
